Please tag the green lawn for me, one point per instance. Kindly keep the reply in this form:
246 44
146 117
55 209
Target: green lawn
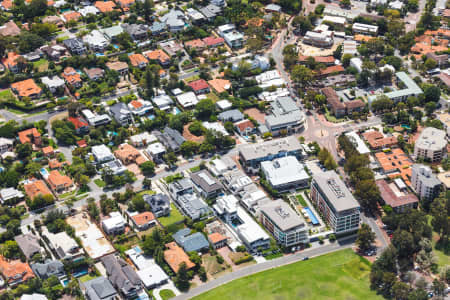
338 275
148 192
100 183
86 277
166 294
174 217
41 65
441 251
7 95
301 200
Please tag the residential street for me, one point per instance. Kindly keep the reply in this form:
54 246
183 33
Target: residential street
278 262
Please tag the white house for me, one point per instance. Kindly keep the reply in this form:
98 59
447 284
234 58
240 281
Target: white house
115 224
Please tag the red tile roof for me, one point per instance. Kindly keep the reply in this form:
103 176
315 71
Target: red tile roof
213 41
216 237
198 85
29 135
36 188
175 255
143 218
390 198
78 122
26 88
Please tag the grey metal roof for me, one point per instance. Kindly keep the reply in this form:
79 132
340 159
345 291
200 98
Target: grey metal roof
28 243
233 115
173 18
120 111
206 181
193 242
335 191
170 138
135 29
284 111
73 43
157 27
157 202
255 151
99 288
48 268
121 274
210 11
282 215
181 185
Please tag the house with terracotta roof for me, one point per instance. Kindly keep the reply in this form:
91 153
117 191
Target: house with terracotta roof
125 4
213 41
72 77
11 61
140 107
197 44
81 125
31 136
143 221
138 60
48 151
36 188
59 183
219 85
217 240
331 70
105 6
158 55
127 154
245 127
56 164
71 16
199 86
6 5
15 271
377 140
396 195
26 88
175 255
327 60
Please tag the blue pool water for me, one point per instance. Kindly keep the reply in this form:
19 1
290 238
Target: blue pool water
44 172
137 249
151 117
116 46
313 218
65 282
80 273
176 110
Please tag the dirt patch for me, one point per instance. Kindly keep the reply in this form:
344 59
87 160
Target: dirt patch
212 266
134 168
256 114
190 137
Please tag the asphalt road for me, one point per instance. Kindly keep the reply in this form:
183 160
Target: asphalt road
275 263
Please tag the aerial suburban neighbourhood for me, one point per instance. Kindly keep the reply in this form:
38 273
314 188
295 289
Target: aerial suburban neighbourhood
224 149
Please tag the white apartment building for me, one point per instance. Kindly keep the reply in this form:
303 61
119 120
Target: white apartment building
319 39
365 28
431 145
286 226
424 182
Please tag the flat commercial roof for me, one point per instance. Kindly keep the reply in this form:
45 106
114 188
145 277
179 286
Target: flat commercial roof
432 139
335 191
284 170
254 151
282 215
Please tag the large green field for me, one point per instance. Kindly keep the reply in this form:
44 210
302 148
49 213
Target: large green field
338 275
